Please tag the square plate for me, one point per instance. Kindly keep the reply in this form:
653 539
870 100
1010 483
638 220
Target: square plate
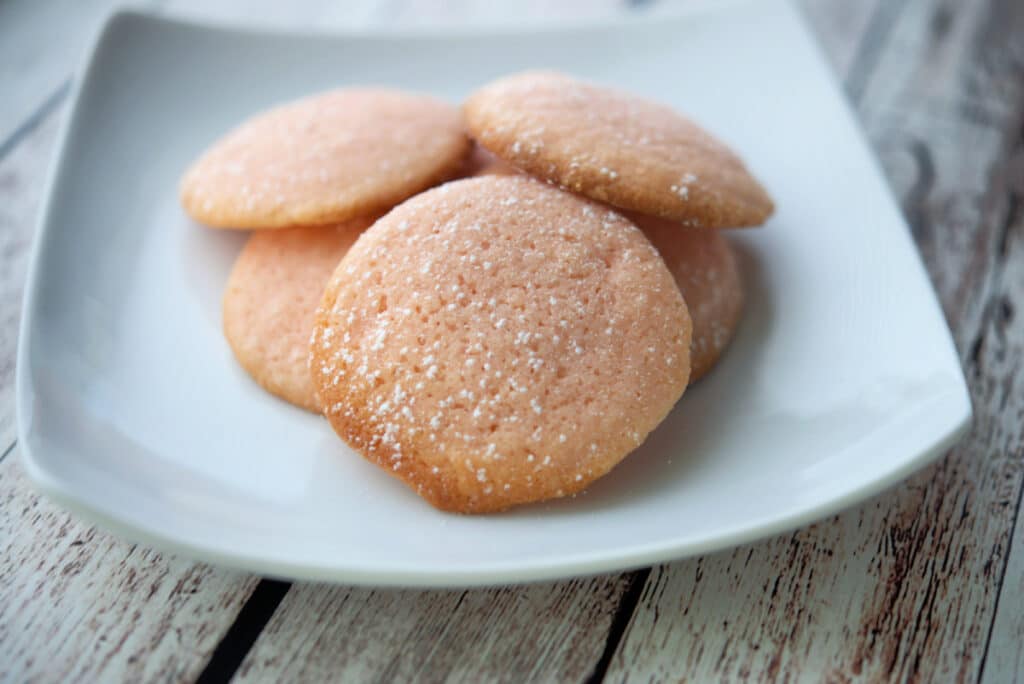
132 412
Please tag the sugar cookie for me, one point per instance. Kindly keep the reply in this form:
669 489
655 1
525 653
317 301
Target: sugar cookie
497 341
325 159
270 302
615 147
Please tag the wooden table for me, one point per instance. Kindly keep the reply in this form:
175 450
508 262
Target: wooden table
925 581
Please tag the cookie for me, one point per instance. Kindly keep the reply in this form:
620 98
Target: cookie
617 148
497 341
705 268
702 262
271 298
326 159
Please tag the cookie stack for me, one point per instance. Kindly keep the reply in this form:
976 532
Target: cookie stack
500 339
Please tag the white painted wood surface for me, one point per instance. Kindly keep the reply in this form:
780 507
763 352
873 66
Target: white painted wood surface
913 585
546 632
79 605
906 586
1005 662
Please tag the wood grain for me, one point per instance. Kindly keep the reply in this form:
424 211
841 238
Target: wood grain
913 585
554 632
1005 654
78 605
36 72
544 632
904 587
1005 661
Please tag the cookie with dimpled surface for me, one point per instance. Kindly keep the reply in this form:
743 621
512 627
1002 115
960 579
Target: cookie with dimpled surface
271 299
498 341
705 268
702 262
326 159
615 147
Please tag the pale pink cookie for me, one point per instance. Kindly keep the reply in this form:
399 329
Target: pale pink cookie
326 159
498 341
705 268
615 147
271 298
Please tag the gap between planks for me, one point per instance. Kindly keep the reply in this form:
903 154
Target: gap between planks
49 105
917 574
75 656
231 646
77 604
243 632
8 450
621 604
624 610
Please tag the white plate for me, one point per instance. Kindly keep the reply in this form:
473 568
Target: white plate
842 380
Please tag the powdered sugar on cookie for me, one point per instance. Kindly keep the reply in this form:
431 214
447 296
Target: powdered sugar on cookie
617 148
489 382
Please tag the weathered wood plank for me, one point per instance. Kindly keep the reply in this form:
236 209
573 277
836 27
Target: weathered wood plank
569 652
803 599
1005 657
40 45
35 70
544 632
550 631
78 605
904 587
